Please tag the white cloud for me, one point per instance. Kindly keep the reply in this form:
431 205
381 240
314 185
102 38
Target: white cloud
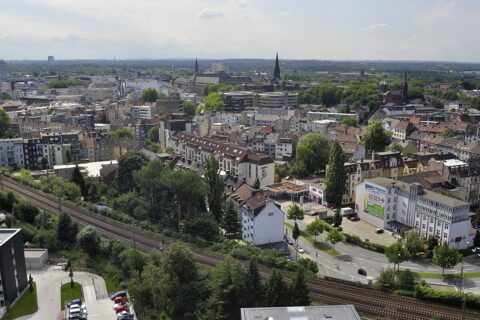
378 26
209 14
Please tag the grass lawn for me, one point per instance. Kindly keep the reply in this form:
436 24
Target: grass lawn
429 275
112 285
26 305
68 293
316 244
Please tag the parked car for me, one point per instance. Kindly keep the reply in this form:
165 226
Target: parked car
300 250
362 272
118 294
124 315
379 231
289 240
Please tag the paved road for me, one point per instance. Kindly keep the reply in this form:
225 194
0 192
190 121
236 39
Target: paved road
48 288
353 257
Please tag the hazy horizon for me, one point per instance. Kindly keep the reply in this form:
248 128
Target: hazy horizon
345 30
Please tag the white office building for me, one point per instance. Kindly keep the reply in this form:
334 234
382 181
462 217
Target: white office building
389 203
11 153
141 112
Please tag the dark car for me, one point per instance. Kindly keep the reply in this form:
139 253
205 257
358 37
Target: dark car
289 240
362 272
379 231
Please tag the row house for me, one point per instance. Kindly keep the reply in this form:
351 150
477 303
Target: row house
280 147
459 148
233 160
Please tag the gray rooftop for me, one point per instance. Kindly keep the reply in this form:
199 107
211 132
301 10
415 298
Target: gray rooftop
430 195
341 312
5 234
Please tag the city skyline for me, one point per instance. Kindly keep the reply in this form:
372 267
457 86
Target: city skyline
211 29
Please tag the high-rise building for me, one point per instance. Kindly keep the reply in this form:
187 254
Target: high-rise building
3 71
51 60
13 271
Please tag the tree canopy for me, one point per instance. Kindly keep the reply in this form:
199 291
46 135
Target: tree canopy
446 257
295 212
127 164
326 93
121 133
150 95
397 253
312 154
375 137
4 124
215 187
213 102
336 176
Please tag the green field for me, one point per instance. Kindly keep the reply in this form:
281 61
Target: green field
112 285
26 305
68 293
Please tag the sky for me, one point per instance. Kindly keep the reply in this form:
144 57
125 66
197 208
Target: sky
446 30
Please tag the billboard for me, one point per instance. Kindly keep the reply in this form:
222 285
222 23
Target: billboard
375 200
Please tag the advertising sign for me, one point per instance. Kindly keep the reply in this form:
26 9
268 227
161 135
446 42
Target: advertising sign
375 200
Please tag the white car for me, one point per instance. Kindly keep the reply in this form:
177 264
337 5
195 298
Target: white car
300 250
82 308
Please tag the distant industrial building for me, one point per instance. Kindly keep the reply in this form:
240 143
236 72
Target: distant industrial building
340 312
13 271
220 67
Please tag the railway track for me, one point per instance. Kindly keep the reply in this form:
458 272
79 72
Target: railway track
327 290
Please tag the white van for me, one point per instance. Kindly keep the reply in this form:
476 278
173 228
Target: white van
346 212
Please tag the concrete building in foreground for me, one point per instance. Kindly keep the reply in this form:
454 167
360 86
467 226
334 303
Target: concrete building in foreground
13 271
340 312
396 205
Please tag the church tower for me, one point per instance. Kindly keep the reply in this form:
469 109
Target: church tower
404 88
196 65
276 71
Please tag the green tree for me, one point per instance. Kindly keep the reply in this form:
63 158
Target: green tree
414 243
395 147
312 154
397 253
189 107
350 121
215 187
121 133
295 213
386 279
326 93
336 176
299 293
253 286
405 280
337 218
315 228
231 220
446 257
25 175
432 242
276 291
435 103
70 274
449 133
179 282
4 124
375 137
150 95
66 229
89 241
77 178
203 225
295 232
334 236
308 264
25 211
71 191
153 134
127 164
228 290
92 192
213 102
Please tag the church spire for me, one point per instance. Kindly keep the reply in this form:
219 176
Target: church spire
276 71
404 87
196 65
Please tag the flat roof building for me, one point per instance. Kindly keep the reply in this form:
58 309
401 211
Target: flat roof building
340 312
13 271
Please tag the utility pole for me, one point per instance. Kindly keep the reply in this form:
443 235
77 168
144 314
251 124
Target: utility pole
1 181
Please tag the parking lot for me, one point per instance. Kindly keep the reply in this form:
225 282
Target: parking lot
359 227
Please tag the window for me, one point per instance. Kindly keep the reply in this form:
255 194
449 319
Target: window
270 214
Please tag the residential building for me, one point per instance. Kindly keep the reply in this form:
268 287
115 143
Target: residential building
168 103
396 205
391 164
261 218
13 271
173 123
339 312
141 112
11 153
233 160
